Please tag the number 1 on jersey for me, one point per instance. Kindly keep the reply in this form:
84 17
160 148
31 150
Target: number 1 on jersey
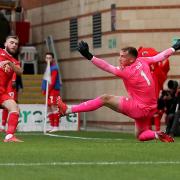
145 77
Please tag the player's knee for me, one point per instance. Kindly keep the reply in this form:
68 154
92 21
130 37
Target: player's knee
140 137
14 108
105 98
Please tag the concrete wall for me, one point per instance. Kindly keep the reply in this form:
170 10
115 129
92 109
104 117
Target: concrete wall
138 23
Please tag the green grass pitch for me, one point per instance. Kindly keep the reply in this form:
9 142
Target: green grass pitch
88 156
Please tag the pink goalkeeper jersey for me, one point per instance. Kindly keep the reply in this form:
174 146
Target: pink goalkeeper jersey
137 77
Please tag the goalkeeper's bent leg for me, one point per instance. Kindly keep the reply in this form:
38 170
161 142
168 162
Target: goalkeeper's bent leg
83 107
90 105
147 135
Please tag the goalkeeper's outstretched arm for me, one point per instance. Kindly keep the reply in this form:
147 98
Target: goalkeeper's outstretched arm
83 48
165 54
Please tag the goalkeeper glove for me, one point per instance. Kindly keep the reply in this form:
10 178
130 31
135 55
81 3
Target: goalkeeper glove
176 46
83 48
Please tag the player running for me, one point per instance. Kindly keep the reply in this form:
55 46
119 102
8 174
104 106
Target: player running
135 72
9 65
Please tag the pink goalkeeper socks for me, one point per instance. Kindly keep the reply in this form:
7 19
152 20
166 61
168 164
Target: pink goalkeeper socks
147 135
88 105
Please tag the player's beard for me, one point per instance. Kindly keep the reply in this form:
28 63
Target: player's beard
11 51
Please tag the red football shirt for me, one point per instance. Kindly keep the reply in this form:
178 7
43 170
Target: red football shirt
5 77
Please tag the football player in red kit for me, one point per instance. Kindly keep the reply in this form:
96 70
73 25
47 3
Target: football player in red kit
11 90
9 65
53 93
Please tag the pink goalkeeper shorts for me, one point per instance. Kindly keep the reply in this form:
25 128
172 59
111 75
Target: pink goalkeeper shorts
133 109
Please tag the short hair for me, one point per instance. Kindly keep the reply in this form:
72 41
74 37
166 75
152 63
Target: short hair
172 84
131 50
12 36
50 53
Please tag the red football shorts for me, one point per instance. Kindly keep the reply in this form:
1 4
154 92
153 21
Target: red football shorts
13 94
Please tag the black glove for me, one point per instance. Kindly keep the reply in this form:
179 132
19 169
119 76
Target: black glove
83 48
176 46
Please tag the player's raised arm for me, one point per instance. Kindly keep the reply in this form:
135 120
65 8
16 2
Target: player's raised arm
83 48
165 54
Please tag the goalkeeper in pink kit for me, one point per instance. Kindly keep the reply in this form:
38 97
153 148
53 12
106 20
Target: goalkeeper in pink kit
141 102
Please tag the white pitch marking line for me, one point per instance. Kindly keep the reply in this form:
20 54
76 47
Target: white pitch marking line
70 137
84 138
103 163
